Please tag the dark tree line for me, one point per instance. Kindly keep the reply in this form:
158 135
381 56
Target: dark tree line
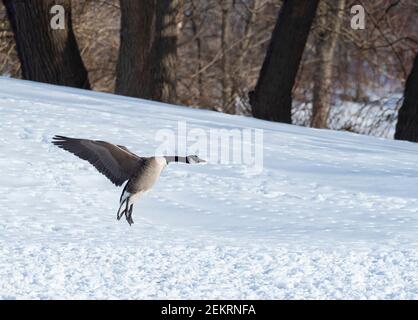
272 97
148 51
148 60
147 56
46 55
407 126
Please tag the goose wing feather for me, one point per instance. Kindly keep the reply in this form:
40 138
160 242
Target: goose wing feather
117 163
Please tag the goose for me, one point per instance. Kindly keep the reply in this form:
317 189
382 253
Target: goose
119 164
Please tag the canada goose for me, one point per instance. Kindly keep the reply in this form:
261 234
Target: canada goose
119 164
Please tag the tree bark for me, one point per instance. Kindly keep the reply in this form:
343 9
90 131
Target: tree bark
330 17
226 29
46 55
272 97
407 126
196 25
148 51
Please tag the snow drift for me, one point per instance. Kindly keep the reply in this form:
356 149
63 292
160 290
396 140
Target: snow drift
331 215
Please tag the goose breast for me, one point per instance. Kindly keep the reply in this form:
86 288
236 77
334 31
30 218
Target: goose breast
148 173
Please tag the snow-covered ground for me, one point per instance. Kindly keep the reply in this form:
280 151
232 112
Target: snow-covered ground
332 214
377 117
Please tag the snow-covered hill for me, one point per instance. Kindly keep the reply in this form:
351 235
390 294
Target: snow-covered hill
332 214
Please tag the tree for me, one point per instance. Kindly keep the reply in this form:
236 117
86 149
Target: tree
45 54
329 24
272 97
407 126
226 31
148 50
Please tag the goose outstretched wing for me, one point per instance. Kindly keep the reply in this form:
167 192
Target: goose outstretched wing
117 163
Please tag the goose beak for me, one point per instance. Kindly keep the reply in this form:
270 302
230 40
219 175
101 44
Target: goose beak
195 159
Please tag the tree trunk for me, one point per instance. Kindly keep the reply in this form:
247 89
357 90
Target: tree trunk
46 55
148 50
272 97
330 18
227 103
196 25
407 126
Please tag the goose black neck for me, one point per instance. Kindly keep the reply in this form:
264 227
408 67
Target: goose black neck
177 159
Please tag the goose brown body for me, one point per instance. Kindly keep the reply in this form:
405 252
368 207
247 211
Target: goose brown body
119 164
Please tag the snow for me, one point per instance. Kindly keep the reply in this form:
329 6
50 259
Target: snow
377 117
332 215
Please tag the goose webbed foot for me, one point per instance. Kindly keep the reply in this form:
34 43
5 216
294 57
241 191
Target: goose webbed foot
129 215
127 211
121 212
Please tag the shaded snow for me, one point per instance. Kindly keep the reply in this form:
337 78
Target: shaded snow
332 215
376 117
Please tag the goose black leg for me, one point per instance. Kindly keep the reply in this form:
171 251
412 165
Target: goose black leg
129 215
126 208
120 214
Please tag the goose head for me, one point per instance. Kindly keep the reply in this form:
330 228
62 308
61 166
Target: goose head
195 159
